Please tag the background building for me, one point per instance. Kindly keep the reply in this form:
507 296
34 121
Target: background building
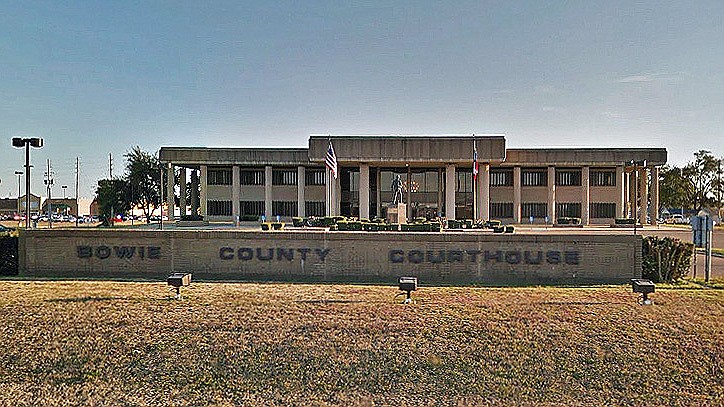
513 185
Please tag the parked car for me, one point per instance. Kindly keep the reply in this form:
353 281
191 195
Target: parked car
678 219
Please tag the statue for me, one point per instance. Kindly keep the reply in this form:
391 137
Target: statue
396 188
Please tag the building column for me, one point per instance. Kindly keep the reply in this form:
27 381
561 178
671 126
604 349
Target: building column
585 195
552 194
301 184
450 191
440 188
516 195
195 193
655 195
644 194
379 192
235 191
204 192
632 198
268 208
182 192
170 195
621 191
484 192
364 191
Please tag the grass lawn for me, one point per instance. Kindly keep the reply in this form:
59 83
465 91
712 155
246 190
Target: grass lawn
110 343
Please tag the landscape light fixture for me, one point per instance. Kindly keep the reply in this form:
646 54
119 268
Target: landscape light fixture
178 280
408 285
27 142
643 287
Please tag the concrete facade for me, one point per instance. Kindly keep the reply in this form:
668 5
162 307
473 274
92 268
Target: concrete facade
448 258
513 185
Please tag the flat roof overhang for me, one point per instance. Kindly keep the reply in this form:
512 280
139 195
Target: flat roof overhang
194 156
533 157
414 150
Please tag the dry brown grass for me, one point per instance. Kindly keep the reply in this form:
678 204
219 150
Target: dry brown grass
109 343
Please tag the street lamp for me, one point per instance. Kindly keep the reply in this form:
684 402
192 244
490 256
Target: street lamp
64 188
19 174
27 142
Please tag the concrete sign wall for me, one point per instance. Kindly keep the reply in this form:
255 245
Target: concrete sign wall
442 258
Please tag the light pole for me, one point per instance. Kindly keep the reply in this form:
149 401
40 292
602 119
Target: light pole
27 142
64 187
19 174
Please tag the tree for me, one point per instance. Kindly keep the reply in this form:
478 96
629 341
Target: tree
143 173
674 191
702 176
113 198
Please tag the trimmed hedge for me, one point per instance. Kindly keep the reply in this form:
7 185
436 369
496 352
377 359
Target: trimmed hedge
624 221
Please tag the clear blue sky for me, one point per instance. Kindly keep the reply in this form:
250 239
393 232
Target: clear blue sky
94 78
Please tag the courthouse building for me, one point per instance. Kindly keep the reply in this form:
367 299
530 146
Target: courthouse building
512 185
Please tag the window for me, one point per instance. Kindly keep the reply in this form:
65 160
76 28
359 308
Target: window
568 210
536 210
534 178
255 208
219 208
314 177
603 178
603 210
501 177
252 177
284 208
568 178
501 210
314 208
284 177
464 181
219 177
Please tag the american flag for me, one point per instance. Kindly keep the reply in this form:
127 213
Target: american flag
475 162
330 160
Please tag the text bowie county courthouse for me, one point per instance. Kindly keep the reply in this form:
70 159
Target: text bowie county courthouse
513 185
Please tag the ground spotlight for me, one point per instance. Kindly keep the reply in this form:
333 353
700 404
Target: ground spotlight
178 280
407 284
643 287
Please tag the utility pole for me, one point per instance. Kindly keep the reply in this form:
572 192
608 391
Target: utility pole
77 172
110 165
49 185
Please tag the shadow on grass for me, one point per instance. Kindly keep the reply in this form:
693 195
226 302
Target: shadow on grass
329 301
85 299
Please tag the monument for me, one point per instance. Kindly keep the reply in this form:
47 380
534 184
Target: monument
397 211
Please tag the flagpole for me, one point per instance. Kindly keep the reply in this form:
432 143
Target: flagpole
475 185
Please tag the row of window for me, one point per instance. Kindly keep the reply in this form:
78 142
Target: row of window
563 209
222 176
498 177
256 208
503 177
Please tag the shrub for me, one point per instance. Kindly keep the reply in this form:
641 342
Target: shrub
624 221
665 259
297 222
8 255
192 218
249 218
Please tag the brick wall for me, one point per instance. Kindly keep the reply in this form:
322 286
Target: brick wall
440 258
